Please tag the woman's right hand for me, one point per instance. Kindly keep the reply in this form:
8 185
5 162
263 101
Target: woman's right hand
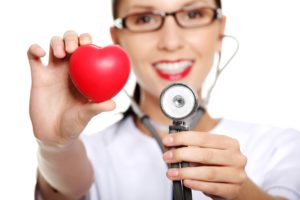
58 112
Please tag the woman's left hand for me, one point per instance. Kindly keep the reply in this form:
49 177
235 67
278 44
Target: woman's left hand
217 166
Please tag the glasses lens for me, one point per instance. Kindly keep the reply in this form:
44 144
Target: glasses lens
196 17
143 22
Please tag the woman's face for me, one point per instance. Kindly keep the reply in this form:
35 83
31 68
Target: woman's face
170 54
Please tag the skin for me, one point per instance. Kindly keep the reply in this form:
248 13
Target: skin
218 166
67 114
224 172
170 42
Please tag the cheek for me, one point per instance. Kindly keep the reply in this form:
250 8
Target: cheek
135 48
141 56
203 43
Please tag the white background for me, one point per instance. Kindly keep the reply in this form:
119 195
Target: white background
262 83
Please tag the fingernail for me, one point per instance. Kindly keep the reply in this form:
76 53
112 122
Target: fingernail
168 155
187 183
58 51
71 45
168 140
173 172
85 40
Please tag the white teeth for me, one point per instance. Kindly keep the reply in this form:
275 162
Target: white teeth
173 68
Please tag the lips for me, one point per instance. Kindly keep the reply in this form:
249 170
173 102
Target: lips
173 70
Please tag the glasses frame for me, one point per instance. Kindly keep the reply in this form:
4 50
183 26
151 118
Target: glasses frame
120 23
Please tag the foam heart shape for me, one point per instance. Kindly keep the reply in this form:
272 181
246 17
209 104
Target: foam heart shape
99 73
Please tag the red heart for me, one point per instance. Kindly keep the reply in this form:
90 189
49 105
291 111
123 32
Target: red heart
99 73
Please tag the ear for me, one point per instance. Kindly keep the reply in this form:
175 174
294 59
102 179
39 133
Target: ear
221 32
114 35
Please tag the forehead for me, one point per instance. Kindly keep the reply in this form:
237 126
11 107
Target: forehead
126 6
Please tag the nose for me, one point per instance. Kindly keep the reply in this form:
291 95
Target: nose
171 37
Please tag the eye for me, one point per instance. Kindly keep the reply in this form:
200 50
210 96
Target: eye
193 14
144 19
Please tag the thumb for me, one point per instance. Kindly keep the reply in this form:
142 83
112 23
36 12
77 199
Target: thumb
91 109
81 116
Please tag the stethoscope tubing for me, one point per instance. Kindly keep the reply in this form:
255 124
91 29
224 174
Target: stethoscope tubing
180 192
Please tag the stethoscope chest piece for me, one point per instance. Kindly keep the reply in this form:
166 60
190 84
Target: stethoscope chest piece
178 101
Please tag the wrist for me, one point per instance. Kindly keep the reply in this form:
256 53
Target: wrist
251 191
48 146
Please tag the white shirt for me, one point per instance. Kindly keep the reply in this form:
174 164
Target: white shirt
128 165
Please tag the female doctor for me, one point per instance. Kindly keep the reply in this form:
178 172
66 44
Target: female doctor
228 159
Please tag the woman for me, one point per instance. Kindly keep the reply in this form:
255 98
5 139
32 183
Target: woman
229 160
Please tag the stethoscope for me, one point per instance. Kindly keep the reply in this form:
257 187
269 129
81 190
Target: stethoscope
180 103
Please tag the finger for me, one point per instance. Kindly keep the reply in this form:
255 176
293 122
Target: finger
208 174
34 54
71 41
85 38
207 140
204 156
56 49
224 190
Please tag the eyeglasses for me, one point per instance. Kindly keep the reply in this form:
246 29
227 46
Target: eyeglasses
152 21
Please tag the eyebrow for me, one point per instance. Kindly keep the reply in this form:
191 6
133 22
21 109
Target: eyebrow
193 2
152 8
141 7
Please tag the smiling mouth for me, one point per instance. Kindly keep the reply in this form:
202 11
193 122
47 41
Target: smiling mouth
173 70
